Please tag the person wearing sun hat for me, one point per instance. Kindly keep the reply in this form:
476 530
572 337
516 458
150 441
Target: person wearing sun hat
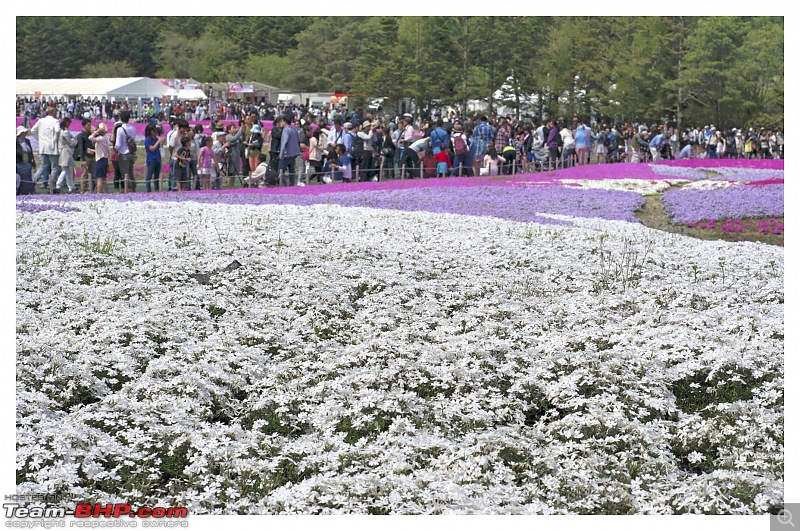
711 143
102 150
462 165
739 144
255 143
25 162
367 136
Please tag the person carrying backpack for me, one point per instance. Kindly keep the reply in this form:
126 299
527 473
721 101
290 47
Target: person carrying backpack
461 153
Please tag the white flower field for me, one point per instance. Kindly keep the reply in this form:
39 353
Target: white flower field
269 359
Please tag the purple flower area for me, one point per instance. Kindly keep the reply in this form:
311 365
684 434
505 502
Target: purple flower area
737 170
517 204
512 203
543 179
747 175
26 206
518 197
716 164
685 206
598 172
680 172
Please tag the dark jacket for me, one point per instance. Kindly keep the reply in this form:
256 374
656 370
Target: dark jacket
20 152
83 144
275 136
527 143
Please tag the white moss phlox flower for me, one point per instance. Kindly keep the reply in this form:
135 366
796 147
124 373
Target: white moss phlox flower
286 359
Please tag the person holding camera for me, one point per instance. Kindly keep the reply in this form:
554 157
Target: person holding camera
152 147
102 150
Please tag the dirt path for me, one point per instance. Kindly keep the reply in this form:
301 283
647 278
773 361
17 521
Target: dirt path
654 215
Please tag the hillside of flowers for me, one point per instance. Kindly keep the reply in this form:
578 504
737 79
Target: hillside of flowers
492 348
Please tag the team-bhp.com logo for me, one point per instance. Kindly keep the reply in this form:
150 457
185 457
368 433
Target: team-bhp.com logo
46 515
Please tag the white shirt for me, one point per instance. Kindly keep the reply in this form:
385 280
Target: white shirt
121 142
336 137
566 137
408 134
174 142
420 144
260 171
489 162
46 132
539 139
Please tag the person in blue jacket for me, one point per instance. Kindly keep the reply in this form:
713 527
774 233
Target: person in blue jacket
290 150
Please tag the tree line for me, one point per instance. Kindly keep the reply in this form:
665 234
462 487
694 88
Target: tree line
722 70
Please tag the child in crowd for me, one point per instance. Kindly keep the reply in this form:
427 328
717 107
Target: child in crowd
342 168
327 171
207 162
443 163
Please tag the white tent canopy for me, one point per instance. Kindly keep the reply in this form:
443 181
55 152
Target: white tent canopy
186 94
113 87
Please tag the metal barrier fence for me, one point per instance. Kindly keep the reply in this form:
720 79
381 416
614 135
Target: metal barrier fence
124 184
419 170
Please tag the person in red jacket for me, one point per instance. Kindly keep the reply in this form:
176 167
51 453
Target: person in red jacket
443 163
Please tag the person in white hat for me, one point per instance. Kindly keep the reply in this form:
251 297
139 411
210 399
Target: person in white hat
739 144
711 143
367 136
254 144
347 138
25 163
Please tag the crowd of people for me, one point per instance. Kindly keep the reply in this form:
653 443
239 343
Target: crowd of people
143 110
288 145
